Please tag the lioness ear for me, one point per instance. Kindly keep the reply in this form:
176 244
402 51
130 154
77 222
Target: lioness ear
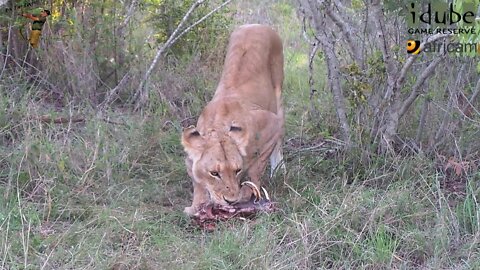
192 142
240 136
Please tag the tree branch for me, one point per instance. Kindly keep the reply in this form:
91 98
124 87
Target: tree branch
412 58
391 70
130 12
417 87
325 39
423 118
467 109
347 33
201 20
476 92
109 97
311 81
140 96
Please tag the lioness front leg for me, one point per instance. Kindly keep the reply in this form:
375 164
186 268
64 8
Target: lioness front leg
200 196
255 173
246 191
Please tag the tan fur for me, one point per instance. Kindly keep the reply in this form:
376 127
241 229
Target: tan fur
242 126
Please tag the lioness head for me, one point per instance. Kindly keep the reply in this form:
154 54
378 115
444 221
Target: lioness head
216 159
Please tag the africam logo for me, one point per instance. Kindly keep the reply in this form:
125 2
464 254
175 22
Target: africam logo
413 47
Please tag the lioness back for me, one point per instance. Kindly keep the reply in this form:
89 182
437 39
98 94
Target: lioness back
254 58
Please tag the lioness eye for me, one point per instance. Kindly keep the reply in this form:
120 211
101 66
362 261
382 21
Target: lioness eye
214 174
237 172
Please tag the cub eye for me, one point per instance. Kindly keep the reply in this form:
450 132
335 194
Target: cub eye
237 172
214 174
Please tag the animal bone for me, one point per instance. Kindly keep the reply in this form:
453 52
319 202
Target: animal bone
210 214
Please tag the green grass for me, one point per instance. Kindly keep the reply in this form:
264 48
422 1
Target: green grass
126 211
99 195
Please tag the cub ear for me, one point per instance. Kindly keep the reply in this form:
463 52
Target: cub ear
192 142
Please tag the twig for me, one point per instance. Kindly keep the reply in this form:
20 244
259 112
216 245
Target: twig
417 87
304 198
347 32
73 119
115 90
114 122
7 55
58 120
440 134
385 49
130 12
201 20
186 120
311 81
325 39
140 95
475 94
412 58
423 118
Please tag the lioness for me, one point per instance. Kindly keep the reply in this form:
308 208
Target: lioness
242 126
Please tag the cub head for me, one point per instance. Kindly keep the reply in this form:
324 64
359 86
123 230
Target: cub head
217 161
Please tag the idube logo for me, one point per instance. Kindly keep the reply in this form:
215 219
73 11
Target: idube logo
440 17
455 21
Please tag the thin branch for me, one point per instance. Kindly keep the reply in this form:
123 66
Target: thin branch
7 55
347 32
304 28
412 58
475 93
48 119
115 90
140 94
130 12
311 81
417 87
325 38
391 70
440 134
201 20
364 41
58 120
468 108
423 118
174 34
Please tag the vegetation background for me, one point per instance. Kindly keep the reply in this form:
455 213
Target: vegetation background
381 147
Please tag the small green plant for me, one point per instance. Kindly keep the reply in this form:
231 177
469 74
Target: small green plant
468 212
382 245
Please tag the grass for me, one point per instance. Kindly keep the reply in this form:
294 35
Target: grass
126 212
99 195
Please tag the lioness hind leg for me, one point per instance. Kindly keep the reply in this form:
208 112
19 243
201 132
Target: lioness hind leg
276 159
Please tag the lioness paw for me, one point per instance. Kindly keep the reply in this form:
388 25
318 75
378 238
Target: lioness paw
190 211
246 194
